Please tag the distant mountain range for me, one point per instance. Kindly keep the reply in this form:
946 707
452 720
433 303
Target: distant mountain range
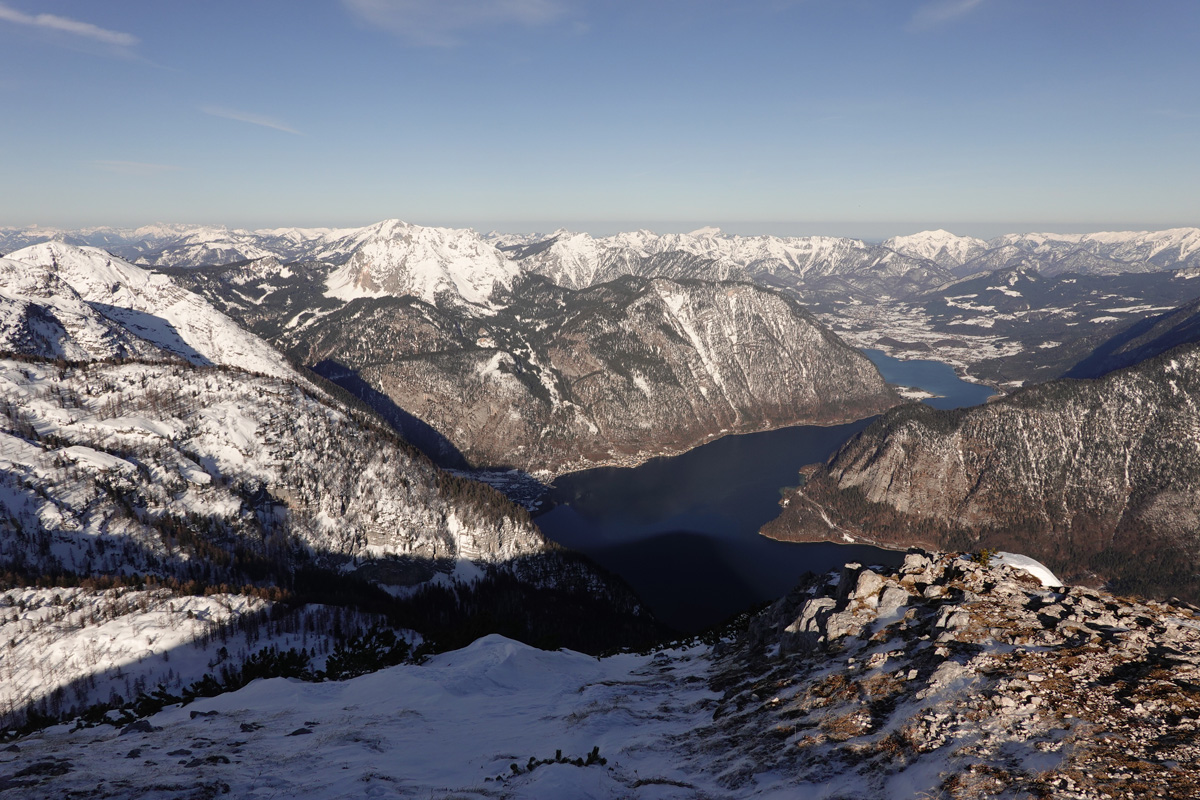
576 260
545 378
928 294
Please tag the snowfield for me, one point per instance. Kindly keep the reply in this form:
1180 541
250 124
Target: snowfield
77 647
149 306
454 725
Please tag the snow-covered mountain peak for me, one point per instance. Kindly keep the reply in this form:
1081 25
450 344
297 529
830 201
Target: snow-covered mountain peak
398 258
707 231
41 315
155 309
940 246
166 230
97 275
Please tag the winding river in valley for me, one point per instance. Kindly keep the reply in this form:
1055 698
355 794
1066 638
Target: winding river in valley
683 531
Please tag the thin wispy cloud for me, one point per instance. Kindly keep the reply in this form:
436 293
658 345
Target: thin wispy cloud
940 12
441 22
134 167
67 25
252 119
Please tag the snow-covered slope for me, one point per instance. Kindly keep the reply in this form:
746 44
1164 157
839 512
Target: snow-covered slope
117 641
944 678
40 315
395 258
1092 253
150 306
578 260
208 247
177 471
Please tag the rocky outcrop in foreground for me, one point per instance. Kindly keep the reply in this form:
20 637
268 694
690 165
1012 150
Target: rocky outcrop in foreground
945 678
948 678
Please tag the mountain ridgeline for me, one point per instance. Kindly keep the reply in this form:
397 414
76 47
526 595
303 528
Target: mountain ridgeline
1012 310
163 461
560 380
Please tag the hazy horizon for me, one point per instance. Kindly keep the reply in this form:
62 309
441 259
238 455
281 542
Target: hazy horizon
871 231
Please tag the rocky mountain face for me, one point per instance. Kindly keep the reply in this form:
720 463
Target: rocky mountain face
559 380
954 678
1097 476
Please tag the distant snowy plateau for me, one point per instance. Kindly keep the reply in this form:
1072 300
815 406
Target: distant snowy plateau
242 549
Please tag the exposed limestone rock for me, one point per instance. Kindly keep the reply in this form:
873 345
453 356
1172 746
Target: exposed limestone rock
994 686
559 380
1097 477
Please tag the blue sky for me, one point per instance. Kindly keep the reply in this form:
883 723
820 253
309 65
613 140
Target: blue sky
860 117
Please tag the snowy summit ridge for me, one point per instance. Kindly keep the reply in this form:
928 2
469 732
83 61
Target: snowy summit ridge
152 307
395 258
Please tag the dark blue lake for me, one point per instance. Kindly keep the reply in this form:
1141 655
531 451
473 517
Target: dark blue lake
932 376
683 531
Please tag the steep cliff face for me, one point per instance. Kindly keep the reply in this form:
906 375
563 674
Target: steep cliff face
560 380
1097 475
